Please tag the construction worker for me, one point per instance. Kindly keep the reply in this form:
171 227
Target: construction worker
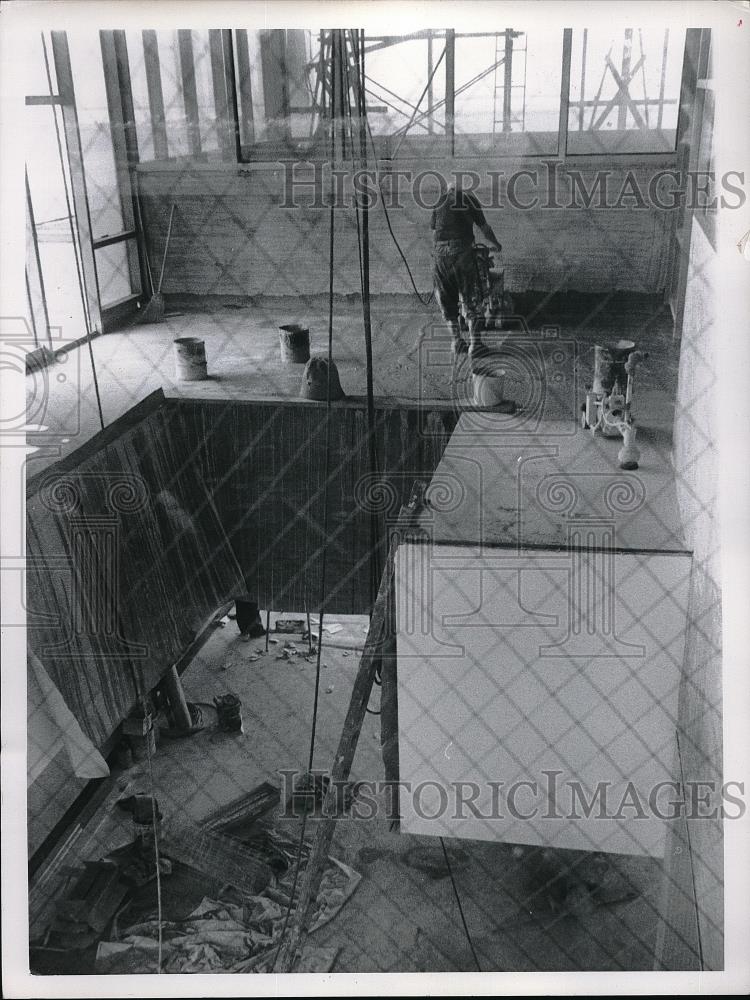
454 268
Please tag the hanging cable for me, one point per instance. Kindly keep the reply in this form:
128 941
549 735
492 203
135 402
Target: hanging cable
154 821
141 697
425 301
76 248
311 754
363 246
458 903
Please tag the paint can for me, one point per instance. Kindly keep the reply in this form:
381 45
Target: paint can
294 342
190 359
144 807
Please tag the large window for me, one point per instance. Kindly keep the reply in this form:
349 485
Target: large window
624 90
433 92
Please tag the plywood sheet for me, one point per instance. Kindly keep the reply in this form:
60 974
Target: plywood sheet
556 668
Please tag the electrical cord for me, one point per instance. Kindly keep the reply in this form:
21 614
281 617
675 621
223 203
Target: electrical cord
426 302
458 903
323 568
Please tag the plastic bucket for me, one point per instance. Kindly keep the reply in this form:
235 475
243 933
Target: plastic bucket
190 359
294 342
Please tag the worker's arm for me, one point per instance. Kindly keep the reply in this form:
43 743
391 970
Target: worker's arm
488 233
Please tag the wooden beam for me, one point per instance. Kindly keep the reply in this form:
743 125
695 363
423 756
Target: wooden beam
562 125
224 88
81 213
155 95
450 90
247 124
189 91
37 278
233 122
375 645
124 146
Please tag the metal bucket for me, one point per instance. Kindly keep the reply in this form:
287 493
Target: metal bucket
294 341
190 359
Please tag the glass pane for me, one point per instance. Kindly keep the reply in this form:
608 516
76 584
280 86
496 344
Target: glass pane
139 89
204 87
96 134
113 268
37 83
397 75
625 90
47 183
278 88
171 85
508 92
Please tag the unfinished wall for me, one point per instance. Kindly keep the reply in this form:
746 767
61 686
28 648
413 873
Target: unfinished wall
263 462
696 465
126 562
232 237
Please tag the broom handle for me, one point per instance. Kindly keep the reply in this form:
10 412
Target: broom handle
166 248
143 234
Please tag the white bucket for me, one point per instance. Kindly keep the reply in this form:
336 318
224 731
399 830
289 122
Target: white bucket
190 359
489 390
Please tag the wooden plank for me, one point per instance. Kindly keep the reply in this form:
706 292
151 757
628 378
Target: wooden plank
35 278
514 666
247 129
223 85
562 129
450 90
189 91
371 656
155 95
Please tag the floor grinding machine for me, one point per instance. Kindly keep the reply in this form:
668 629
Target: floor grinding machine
608 406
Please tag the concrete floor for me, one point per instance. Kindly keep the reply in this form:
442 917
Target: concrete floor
403 916
244 363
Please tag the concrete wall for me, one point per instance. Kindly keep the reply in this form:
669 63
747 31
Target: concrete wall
696 465
232 235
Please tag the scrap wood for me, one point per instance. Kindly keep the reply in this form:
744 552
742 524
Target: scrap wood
220 936
222 858
243 810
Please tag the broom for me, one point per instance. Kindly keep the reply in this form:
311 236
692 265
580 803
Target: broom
154 310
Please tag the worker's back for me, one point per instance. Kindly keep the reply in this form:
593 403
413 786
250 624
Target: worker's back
455 216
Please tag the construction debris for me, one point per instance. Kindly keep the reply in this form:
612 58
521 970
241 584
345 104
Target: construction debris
86 910
242 811
290 625
223 935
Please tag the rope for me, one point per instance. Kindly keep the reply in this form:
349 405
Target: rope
458 903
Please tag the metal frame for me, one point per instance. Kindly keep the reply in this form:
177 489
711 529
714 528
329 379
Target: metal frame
125 149
82 217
